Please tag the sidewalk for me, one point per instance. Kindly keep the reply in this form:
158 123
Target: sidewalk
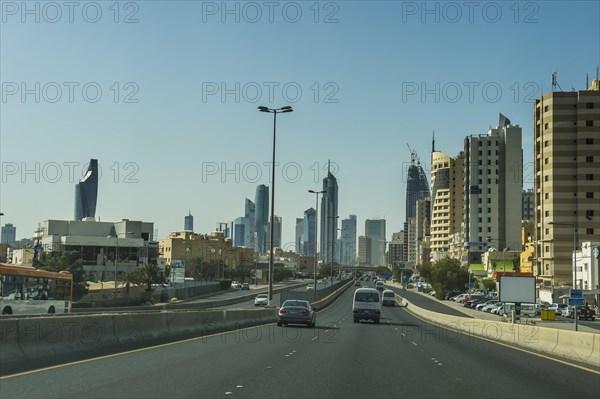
560 324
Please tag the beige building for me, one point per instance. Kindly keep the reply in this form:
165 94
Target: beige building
528 247
567 181
447 202
422 230
187 246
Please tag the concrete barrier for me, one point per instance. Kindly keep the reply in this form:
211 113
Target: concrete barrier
576 345
25 339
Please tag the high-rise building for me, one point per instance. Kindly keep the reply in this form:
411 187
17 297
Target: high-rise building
566 188
309 233
447 175
364 251
375 231
9 234
348 238
395 250
329 216
276 234
188 222
416 185
250 233
261 218
528 205
493 185
86 193
422 230
299 233
239 231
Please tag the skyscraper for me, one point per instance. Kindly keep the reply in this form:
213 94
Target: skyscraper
261 218
329 215
299 233
250 231
375 231
416 185
188 222
86 193
492 190
364 251
566 187
309 235
277 232
9 234
348 236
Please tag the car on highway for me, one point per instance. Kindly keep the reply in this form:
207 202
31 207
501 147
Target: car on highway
379 285
366 305
261 300
236 285
246 286
295 311
357 283
388 298
310 287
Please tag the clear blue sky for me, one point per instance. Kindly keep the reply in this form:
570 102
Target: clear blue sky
164 125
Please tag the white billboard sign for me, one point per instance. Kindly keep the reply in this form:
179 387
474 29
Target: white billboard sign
517 289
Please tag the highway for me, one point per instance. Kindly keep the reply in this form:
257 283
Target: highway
401 357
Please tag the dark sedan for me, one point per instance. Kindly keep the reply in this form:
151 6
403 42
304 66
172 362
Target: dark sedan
296 312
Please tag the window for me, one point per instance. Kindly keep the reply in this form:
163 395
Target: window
480 229
489 200
546 143
589 159
480 162
545 126
589 105
547 213
489 152
489 229
589 141
589 195
589 231
489 220
546 178
589 123
547 232
589 176
546 108
589 213
545 195
489 190
489 210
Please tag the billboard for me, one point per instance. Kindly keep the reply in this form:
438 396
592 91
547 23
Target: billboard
517 289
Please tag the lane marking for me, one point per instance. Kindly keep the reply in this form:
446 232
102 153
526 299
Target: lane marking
564 362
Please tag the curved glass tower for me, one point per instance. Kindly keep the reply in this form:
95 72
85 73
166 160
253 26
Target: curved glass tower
261 217
86 193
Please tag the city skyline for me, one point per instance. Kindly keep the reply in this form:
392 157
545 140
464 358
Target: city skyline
361 117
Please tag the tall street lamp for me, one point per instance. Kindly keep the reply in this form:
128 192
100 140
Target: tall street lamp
273 111
316 252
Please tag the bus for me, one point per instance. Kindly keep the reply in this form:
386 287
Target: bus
26 291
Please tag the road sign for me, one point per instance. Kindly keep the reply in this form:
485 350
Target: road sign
386 275
576 302
576 294
405 278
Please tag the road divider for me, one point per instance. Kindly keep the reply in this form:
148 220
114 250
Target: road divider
576 345
25 339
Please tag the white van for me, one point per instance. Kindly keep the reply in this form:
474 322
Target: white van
388 298
366 305
527 309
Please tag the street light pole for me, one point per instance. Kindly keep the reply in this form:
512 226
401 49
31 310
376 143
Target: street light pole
273 111
315 243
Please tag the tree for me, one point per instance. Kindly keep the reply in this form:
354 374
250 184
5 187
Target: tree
382 269
129 278
446 275
281 273
69 261
150 274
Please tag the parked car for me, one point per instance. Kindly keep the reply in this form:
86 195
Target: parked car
295 311
236 284
495 307
558 308
246 286
481 305
584 313
261 300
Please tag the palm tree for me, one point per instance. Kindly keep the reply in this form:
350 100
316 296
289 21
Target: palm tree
128 279
150 274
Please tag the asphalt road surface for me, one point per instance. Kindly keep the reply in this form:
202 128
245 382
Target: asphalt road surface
401 357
